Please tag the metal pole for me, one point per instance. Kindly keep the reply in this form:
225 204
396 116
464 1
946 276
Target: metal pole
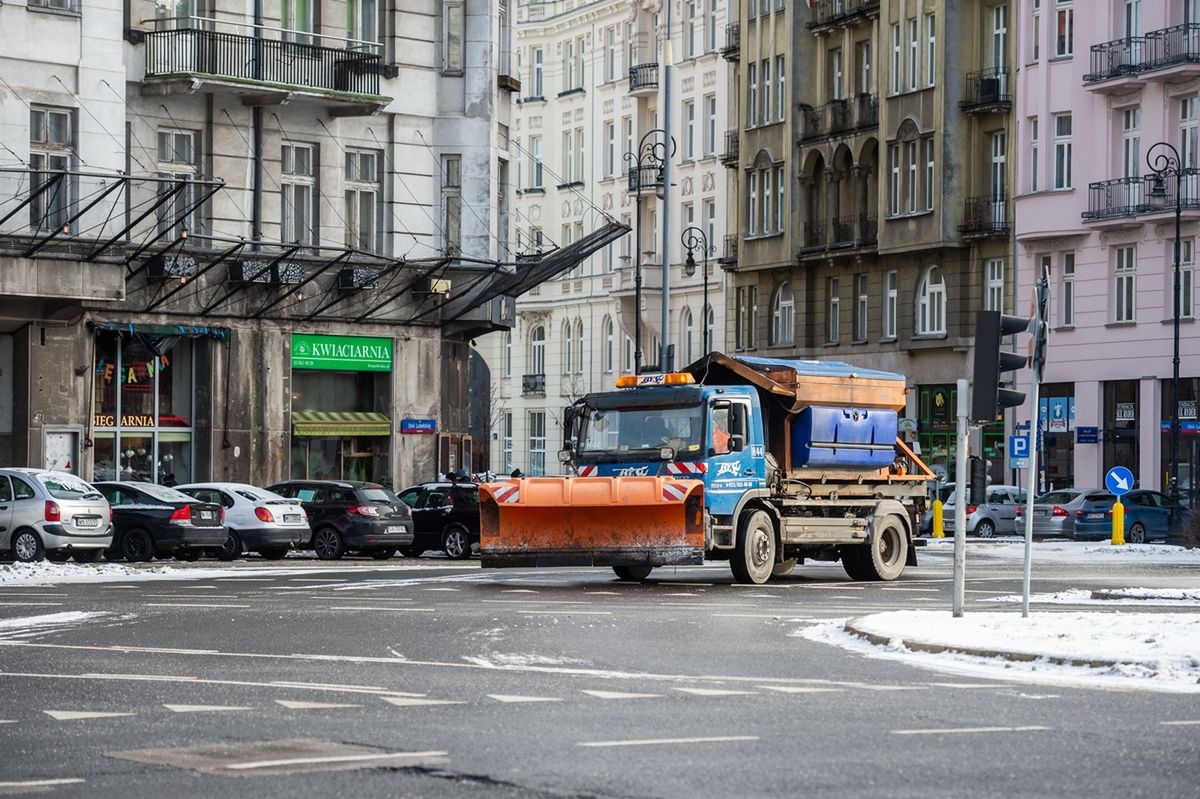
665 256
704 311
960 503
637 277
1035 423
1173 478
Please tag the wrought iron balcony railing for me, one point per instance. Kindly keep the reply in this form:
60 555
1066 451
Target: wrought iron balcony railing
729 254
826 13
732 150
733 41
814 235
987 90
1134 55
282 57
643 77
985 216
839 117
1122 197
648 177
533 385
846 232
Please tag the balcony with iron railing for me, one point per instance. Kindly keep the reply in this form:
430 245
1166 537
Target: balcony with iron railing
854 232
533 385
839 118
506 72
984 217
829 13
732 152
260 60
1174 51
1114 202
646 178
733 42
729 253
643 79
987 90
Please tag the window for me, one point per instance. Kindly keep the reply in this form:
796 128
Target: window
710 26
568 348
767 218
930 49
608 344
177 161
690 28
781 99
580 346
1187 271
627 365
742 320
913 64
710 221
780 185
1033 154
689 130
627 125
568 72
1189 127
577 174
783 316
1131 142
452 36
710 124
752 327
836 86
610 149
580 49
610 54
929 184
1064 28
860 307
508 353
895 59
538 57
764 114
568 156
1062 151
535 145
863 49
507 435
298 20
537 350
994 285
889 305
710 321
537 442
1035 31
752 226
893 179
931 303
752 97
364 205
452 204
910 195
687 336
51 149
833 313
1067 312
630 46
1126 285
297 188
362 20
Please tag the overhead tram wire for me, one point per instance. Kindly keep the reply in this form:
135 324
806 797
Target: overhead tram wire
391 166
437 163
88 111
574 189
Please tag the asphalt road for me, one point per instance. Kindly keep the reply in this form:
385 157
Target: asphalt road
445 680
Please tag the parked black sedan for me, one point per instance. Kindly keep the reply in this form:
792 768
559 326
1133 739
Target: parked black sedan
445 517
151 520
351 516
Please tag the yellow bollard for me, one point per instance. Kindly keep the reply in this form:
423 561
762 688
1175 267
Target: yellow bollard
1118 524
939 521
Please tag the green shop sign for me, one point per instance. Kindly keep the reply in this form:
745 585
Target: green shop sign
341 353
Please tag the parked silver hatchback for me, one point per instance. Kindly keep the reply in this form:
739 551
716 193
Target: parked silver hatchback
52 512
997 516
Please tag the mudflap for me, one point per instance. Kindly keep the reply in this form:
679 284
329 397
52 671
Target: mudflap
591 521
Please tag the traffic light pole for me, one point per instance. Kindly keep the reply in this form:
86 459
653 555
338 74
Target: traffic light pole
1035 427
960 502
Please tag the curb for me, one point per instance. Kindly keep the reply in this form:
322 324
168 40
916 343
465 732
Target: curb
1016 657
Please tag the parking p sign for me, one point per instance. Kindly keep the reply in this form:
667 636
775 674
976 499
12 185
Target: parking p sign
1018 452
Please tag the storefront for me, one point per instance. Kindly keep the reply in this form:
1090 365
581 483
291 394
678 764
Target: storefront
937 427
1057 414
1121 409
1188 472
341 391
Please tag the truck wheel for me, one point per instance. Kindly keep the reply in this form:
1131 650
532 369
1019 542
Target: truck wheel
784 569
754 557
633 574
852 562
884 559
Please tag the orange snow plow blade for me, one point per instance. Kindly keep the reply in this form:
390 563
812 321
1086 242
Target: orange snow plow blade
591 521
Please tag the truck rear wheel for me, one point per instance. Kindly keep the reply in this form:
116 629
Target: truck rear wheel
633 574
885 556
754 558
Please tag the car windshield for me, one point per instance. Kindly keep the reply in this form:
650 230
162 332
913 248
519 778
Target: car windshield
378 494
255 496
1056 497
641 430
164 494
66 486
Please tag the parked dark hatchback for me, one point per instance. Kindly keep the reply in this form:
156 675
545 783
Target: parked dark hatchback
445 517
150 520
350 516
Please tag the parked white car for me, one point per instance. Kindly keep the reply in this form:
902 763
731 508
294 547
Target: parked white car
258 520
55 514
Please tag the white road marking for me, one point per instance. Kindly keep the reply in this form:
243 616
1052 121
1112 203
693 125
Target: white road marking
569 612
968 685
533 602
310 761
712 691
659 741
697 585
599 593
685 593
8 721
198 587
970 730
319 579
32 593
1181 723
620 695
206 596
406 701
441 589
32 604
512 698
17 784
753 616
761 596
208 681
292 704
193 605
918 590
802 689
895 687
519 591
378 607
72 715
370 689
119 587
836 586
204 708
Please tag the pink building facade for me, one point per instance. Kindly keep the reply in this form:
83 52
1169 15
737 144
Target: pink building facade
1099 83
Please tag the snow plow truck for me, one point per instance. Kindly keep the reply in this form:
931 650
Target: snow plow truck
762 462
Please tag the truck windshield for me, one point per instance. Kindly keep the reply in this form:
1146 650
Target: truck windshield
617 434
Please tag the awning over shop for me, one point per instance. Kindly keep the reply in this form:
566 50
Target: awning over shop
163 331
340 423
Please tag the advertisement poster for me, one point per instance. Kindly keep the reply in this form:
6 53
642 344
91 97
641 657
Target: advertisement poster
1058 415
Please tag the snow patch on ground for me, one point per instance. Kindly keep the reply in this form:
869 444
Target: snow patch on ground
1169 597
1067 551
515 659
1154 651
47 573
30 626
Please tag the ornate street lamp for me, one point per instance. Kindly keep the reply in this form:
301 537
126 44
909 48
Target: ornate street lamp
694 238
646 171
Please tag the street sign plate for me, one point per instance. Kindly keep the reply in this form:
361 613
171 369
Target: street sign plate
1018 446
1087 435
1119 481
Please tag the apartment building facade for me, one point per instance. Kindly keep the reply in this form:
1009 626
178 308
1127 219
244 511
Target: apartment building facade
1101 85
592 77
230 236
893 226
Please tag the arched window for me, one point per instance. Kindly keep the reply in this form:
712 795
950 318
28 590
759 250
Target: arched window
710 325
568 348
686 334
537 350
931 303
608 344
579 346
783 316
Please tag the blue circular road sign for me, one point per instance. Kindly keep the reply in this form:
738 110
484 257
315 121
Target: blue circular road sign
1119 481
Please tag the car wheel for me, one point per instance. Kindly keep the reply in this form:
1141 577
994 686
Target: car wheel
87 555
27 546
328 544
137 547
456 542
277 553
985 529
1137 533
58 555
232 548
383 554
412 552
632 574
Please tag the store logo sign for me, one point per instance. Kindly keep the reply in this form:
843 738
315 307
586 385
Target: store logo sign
341 353
127 420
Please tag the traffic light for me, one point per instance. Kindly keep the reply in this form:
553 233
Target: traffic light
977 468
987 398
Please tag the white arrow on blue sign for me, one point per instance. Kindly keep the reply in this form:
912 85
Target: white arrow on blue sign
1119 481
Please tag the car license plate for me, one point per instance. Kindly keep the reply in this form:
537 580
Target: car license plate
291 518
397 529
1039 513
1095 515
87 521
206 514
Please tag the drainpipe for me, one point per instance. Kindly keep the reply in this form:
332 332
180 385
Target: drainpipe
256 137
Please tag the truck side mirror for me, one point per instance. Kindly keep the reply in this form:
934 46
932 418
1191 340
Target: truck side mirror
737 443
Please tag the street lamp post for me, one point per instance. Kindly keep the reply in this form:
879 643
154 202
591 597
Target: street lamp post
693 238
652 153
1163 160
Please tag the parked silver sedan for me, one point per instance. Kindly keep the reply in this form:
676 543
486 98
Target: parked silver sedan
996 516
1055 512
258 520
52 513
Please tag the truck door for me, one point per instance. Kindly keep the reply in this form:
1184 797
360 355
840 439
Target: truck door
731 468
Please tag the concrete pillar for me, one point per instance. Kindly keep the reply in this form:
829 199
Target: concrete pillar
1149 467
1089 412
